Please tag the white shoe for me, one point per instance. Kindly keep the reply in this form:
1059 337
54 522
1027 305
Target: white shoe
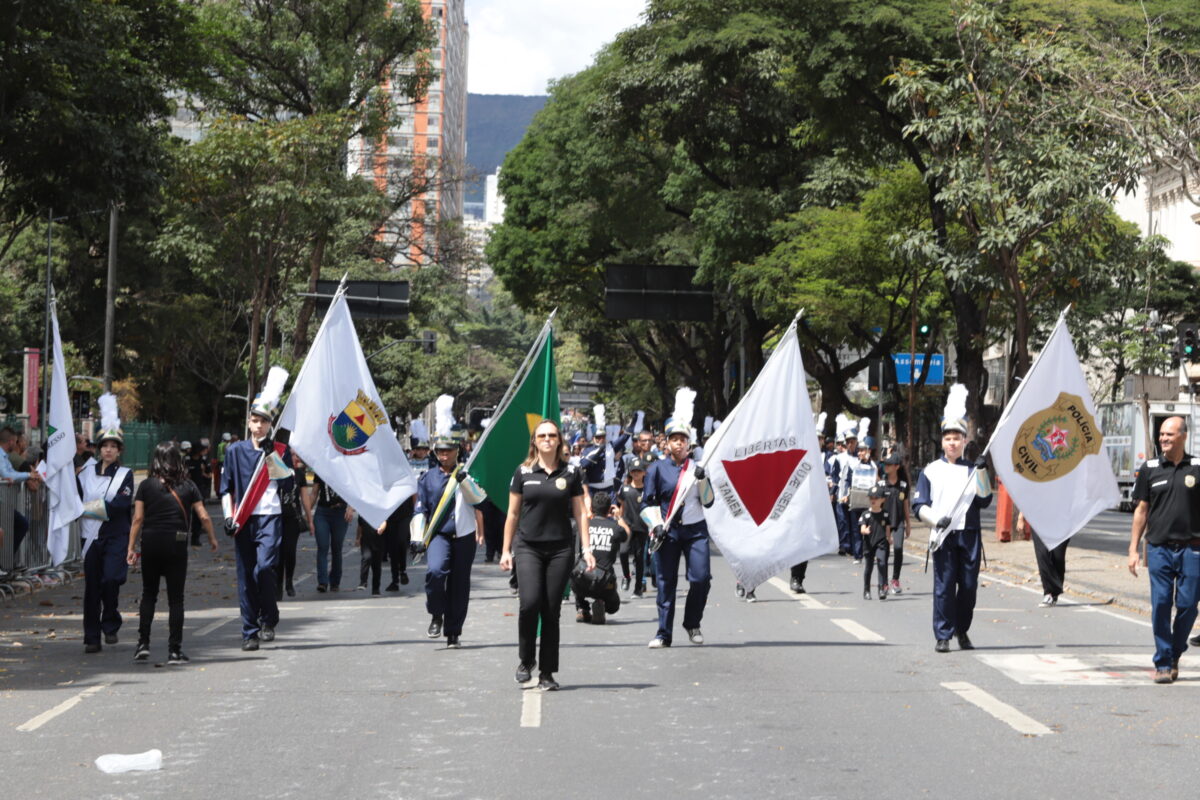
656 643
695 636
1048 600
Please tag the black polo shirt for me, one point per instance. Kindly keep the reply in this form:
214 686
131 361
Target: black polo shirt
546 501
1173 492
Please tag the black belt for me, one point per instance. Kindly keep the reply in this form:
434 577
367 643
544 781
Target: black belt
1179 545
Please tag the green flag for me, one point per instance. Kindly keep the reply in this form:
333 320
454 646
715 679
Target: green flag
532 397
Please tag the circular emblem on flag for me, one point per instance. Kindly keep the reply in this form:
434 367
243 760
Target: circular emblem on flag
561 483
1189 481
1053 441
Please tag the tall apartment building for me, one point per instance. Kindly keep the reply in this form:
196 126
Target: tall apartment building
428 140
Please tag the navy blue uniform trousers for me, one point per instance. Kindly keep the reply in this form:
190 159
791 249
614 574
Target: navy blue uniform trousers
691 542
256 546
955 583
104 570
448 580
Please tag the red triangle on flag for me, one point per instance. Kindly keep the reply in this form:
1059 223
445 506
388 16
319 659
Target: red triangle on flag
360 419
759 479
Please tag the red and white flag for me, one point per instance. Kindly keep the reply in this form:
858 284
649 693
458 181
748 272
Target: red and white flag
771 507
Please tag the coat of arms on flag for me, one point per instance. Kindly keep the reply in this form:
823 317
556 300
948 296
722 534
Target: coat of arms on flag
1054 440
765 481
350 429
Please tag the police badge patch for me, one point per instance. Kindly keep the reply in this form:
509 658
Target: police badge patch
1053 441
350 429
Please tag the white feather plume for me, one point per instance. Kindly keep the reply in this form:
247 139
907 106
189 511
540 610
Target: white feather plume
273 388
864 427
598 413
708 426
844 425
821 422
685 405
956 403
419 430
443 414
110 418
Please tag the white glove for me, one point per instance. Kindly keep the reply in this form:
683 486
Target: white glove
416 528
926 515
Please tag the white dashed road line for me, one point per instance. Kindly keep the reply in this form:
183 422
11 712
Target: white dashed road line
61 708
806 600
1073 604
860 632
531 708
212 626
998 709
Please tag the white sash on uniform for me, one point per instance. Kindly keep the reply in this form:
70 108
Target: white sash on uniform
95 488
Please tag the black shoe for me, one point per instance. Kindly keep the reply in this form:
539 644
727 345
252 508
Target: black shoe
797 586
322 588
250 644
110 638
524 673
291 590
640 591
92 647
547 683
267 634
375 591
1194 641
598 612
362 587
452 643
883 593
942 646
625 584
177 657
142 652
695 636
583 615
866 594
435 628
404 579
964 642
393 587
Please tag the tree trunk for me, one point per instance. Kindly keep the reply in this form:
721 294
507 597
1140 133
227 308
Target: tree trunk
300 338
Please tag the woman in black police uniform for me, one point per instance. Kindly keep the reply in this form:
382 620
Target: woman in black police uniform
546 494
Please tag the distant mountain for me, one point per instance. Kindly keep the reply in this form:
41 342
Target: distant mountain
495 123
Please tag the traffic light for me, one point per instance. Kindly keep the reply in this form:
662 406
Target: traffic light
923 330
429 342
1188 346
881 376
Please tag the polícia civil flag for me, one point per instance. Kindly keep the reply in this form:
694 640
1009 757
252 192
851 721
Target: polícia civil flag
1048 448
531 397
771 508
58 468
338 424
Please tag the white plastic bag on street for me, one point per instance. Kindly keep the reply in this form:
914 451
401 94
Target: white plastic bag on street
113 763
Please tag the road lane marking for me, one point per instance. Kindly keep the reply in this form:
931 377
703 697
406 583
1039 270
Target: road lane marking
61 708
998 709
1074 604
212 626
531 708
806 600
860 632
1080 669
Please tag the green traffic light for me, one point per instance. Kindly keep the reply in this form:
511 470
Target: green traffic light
924 330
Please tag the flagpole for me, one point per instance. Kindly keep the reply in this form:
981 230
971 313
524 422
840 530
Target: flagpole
520 375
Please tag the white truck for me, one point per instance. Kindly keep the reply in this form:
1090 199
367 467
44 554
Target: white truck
1129 440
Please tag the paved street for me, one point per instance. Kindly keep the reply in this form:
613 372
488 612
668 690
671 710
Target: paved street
825 695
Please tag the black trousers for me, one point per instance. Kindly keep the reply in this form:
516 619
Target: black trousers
898 550
371 557
287 553
871 557
799 571
163 557
396 538
543 569
636 547
1052 565
612 600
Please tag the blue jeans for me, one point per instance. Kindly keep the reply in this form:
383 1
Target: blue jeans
691 542
1174 581
331 525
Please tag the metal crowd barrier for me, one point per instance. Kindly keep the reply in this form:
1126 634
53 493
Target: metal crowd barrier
29 567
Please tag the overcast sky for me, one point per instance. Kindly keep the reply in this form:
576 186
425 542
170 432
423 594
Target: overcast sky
518 45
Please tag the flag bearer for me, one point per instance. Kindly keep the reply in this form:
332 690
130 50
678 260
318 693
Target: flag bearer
107 491
937 502
254 513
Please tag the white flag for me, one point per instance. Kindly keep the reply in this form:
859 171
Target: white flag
339 426
772 508
58 468
1048 448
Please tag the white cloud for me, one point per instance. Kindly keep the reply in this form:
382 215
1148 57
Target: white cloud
517 46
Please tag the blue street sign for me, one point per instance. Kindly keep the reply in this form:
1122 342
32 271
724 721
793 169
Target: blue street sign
904 372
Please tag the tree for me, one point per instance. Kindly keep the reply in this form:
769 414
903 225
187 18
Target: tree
1012 155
